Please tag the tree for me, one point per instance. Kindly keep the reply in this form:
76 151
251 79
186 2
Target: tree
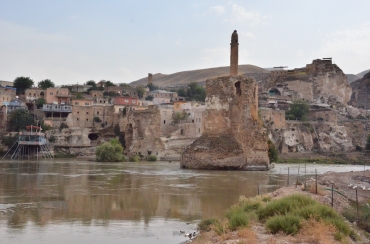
181 92
19 119
45 84
91 83
273 153
79 95
22 83
111 151
152 87
109 83
40 102
124 85
298 110
149 98
140 91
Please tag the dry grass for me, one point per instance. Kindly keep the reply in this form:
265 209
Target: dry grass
317 232
248 234
320 190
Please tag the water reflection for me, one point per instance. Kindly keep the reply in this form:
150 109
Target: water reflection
146 198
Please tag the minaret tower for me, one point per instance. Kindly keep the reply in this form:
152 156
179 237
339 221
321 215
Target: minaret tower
234 54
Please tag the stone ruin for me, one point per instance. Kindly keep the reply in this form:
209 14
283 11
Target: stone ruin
233 137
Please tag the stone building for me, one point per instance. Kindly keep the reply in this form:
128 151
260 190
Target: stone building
58 95
34 93
89 116
97 94
82 102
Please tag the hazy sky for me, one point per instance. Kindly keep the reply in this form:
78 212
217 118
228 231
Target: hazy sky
122 41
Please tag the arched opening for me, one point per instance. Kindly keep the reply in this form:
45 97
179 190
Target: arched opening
274 91
238 90
182 132
42 94
93 136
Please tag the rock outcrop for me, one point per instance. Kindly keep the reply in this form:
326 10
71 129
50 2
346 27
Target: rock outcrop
319 82
233 135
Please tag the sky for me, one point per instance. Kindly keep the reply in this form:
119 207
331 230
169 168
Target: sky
71 42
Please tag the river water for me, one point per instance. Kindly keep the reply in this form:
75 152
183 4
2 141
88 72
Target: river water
68 201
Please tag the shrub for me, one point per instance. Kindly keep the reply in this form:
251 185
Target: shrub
62 126
237 217
284 205
111 151
52 139
273 153
134 158
205 225
152 158
364 216
289 224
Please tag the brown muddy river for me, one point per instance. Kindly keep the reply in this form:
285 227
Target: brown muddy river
68 201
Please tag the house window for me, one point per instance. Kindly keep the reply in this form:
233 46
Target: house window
133 101
76 103
87 112
87 119
51 93
97 112
78 112
87 103
164 121
78 119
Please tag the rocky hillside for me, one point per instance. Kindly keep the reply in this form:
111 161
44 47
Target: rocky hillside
363 73
200 75
360 92
351 78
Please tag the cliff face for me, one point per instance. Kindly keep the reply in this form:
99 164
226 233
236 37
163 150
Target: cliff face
319 82
233 137
360 92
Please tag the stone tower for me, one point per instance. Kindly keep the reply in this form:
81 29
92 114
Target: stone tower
150 78
234 54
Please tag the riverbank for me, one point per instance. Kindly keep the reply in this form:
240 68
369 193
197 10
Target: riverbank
313 231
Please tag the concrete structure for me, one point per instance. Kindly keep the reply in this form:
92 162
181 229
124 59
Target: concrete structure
82 102
14 105
34 93
80 88
6 83
128 101
161 97
234 54
58 95
7 94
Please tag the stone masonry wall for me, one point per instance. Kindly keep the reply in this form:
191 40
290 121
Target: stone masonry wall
233 135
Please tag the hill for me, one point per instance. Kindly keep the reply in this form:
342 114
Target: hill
352 78
200 75
360 75
360 95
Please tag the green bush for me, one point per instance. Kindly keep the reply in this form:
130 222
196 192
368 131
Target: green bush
284 205
237 217
289 224
273 153
134 158
111 151
364 216
152 158
205 225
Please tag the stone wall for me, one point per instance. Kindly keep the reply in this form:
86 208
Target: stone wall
275 118
233 135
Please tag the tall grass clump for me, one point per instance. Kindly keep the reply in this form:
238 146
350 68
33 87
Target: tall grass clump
237 217
363 220
205 225
289 224
134 159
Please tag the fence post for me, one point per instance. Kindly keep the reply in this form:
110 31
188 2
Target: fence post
258 189
332 195
357 205
288 176
316 181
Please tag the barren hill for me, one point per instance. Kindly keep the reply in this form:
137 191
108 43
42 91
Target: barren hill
360 75
200 75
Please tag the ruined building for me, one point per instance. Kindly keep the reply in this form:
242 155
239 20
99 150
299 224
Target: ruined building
150 78
233 136
234 56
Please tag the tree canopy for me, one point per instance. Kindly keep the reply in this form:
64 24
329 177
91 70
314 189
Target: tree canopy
22 83
152 87
298 110
19 119
111 151
194 92
140 91
40 102
45 84
109 83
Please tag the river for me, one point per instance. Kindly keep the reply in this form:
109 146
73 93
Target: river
69 201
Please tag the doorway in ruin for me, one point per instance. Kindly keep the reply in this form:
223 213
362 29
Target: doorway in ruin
238 90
